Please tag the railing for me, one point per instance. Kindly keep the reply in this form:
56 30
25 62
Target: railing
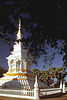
44 92
34 93
17 93
29 93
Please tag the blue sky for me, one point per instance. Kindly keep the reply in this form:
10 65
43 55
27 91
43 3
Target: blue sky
4 52
57 62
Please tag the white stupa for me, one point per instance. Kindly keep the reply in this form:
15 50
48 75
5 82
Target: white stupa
19 74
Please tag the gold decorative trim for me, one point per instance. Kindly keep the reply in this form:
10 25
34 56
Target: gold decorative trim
20 74
20 69
6 79
16 79
19 30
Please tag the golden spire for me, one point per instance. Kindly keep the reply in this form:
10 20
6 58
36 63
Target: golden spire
19 31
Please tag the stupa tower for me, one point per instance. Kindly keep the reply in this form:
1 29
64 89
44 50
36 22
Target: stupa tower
19 72
18 61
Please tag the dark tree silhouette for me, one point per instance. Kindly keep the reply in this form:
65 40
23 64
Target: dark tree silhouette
45 21
2 71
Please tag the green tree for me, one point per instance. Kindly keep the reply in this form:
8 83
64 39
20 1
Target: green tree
60 73
36 72
52 72
45 78
57 73
49 76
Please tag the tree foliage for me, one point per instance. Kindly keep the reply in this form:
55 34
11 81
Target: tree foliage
48 76
36 72
45 78
2 71
45 21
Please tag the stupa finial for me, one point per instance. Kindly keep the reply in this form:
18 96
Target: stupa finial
19 23
19 37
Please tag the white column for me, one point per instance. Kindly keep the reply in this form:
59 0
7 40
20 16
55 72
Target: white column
36 90
63 86
20 66
20 55
15 66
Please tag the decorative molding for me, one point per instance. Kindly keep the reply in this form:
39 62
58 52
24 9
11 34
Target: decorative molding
21 70
17 79
20 74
